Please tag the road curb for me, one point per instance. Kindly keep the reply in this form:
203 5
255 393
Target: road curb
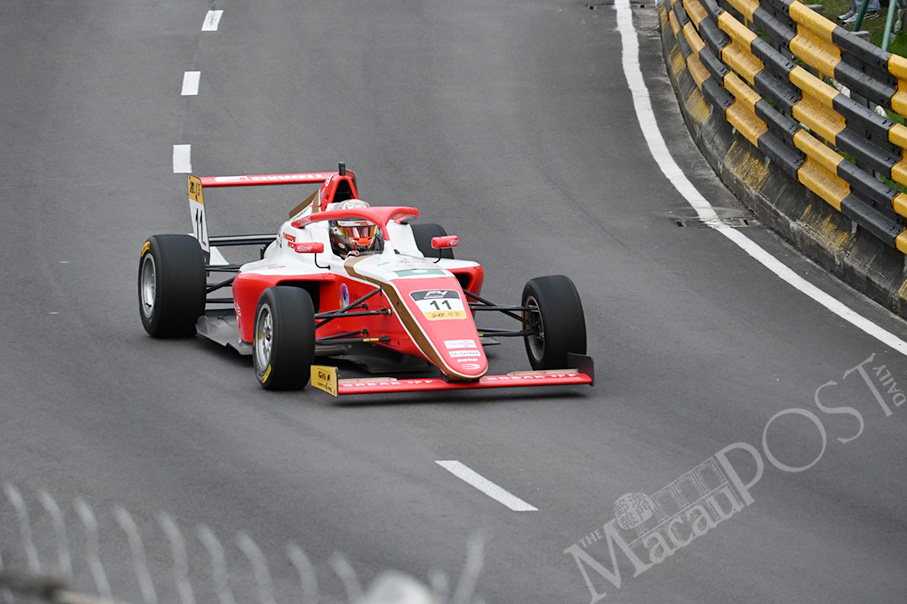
779 201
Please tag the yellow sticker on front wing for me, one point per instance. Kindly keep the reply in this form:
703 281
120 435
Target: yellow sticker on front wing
325 378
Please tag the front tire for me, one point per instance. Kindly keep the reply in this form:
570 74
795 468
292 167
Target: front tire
555 314
283 343
171 284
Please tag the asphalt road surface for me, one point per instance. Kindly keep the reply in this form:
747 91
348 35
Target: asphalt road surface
509 122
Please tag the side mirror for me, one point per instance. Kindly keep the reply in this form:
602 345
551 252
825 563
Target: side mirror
308 247
443 243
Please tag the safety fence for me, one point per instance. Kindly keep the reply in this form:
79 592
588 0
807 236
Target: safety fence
802 90
70 555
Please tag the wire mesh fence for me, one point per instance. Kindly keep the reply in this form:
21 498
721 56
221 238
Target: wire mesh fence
72 555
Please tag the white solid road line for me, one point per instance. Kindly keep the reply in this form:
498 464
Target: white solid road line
212 20
190 83
182 159
475 479
646 117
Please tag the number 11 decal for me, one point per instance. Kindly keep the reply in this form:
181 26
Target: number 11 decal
446 303
197 212
199 225
438 304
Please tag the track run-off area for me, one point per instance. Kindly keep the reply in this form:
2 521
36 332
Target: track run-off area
743 440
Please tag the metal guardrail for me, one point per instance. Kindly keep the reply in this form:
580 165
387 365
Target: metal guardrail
53 562
769 66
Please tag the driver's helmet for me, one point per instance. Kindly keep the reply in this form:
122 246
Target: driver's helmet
355 235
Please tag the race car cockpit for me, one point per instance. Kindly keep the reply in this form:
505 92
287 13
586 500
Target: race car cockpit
353 235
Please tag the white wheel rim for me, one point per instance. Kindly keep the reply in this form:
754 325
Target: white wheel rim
149 285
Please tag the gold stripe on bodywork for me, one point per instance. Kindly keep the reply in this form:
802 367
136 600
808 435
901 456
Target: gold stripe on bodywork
305 203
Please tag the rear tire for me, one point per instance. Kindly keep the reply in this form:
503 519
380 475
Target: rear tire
423 234
283 343
555 312
171 284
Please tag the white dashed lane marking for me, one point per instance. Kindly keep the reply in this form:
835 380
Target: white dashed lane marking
182 159
182 154
190 83
475 479
212 20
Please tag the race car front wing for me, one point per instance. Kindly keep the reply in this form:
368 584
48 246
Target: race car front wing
327 379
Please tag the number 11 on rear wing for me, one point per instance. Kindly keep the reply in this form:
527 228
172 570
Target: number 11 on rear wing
197 214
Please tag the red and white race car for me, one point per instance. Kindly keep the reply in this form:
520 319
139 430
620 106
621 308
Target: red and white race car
351 281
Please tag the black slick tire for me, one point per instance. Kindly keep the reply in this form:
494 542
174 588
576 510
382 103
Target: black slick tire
555 314
171 285
283 342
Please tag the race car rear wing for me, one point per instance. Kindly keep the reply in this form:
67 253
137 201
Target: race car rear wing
327 379
258 180
331 183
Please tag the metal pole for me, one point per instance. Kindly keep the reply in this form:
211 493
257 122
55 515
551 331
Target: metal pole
860 15
889 22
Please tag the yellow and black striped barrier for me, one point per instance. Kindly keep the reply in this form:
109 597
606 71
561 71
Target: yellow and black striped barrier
762 85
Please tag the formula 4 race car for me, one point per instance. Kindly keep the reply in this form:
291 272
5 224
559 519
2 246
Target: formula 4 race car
355 282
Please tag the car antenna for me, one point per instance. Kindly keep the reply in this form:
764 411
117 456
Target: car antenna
342 169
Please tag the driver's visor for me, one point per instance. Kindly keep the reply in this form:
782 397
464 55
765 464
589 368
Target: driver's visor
356 229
